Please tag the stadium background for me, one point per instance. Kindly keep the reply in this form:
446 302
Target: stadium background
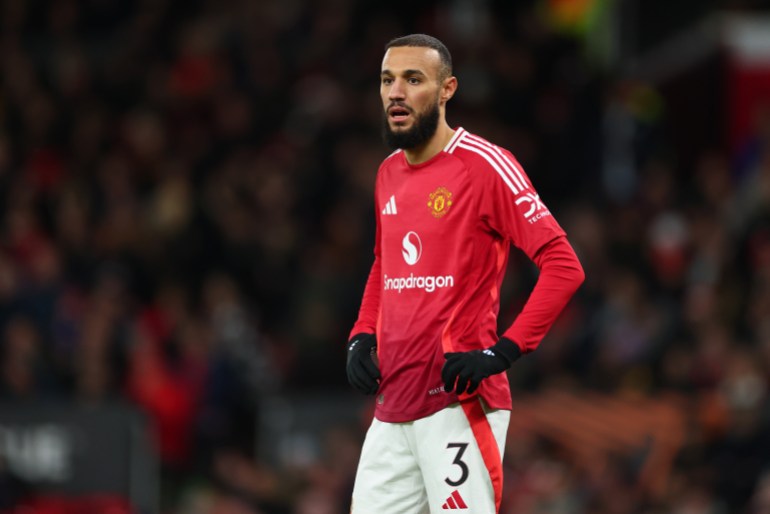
186 220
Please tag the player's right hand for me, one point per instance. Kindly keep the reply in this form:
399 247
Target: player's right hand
363 373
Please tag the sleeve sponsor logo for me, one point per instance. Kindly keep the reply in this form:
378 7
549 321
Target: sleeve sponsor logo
536 210
440 201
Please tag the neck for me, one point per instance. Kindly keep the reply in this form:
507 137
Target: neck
433 146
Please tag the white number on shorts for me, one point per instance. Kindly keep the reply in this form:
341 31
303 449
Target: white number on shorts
461 447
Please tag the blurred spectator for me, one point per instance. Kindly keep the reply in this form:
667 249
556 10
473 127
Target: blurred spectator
23 372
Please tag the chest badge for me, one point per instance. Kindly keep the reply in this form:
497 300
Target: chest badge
440 202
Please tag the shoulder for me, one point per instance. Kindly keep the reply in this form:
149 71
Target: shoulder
473 149
388 166
393 159
486 160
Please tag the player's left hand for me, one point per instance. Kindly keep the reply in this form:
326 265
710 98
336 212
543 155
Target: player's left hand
464 371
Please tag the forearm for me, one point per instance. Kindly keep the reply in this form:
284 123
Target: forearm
370 303
560 276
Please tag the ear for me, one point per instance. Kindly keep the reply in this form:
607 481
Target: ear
448 89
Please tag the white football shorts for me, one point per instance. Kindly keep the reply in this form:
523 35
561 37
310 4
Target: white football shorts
448 461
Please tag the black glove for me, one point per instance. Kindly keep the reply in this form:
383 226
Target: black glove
363 373
468 369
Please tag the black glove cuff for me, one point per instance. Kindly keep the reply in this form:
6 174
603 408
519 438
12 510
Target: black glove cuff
365 340
507 349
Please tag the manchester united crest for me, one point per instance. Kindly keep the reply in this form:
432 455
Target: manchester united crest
440 202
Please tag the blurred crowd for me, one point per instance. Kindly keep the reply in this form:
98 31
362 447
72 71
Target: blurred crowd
187 222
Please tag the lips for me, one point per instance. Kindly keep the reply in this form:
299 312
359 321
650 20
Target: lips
398 113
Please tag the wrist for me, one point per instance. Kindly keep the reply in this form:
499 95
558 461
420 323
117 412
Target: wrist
507 349
362 339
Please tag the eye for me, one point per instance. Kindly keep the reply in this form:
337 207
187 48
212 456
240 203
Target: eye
387 81
414 81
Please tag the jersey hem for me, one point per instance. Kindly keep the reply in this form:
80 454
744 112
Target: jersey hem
405 417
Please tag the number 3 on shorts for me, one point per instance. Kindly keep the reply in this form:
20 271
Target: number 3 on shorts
461 447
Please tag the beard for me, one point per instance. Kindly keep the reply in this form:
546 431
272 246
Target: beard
423 128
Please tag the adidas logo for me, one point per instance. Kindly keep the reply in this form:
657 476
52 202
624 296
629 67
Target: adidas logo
454 502
390 207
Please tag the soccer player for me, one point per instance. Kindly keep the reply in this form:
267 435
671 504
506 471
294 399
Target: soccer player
449 204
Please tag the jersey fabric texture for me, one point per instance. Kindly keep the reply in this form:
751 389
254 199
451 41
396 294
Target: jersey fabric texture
444 230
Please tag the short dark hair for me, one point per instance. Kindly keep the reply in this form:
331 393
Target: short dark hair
426 41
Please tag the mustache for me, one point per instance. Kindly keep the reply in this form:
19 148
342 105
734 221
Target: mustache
398 104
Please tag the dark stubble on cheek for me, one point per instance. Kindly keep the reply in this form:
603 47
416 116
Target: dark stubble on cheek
423 128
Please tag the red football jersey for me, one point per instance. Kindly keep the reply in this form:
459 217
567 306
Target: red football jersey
444 229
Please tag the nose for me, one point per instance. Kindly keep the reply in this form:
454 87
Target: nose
396 91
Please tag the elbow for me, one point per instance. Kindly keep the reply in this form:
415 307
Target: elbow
580 277
578 273
559 259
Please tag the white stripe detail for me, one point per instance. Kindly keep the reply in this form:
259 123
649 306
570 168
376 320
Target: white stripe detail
449 148
498 160
501 162
462 136
492 163
511 164
501 158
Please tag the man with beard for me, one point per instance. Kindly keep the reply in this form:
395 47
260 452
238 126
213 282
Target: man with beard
449 204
